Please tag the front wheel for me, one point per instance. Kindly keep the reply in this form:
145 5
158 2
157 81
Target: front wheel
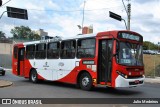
33 76
85 81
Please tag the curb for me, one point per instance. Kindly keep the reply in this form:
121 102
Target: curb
4 83
152 80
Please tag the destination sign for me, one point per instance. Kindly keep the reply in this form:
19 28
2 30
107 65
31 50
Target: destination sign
50 40
129 36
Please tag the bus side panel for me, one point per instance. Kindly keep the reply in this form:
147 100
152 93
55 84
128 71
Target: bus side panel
70 78
21 68
27 68
73 75
43 68
15 57
114 66
14 66
29 65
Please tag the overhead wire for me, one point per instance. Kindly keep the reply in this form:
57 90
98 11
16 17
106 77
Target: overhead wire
73 10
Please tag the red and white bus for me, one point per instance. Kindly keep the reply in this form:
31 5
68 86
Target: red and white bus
110 58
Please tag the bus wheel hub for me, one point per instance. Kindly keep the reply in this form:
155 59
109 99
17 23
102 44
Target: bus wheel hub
85 81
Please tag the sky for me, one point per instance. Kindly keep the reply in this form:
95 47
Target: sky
61 17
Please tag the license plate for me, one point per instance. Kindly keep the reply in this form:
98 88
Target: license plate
136 81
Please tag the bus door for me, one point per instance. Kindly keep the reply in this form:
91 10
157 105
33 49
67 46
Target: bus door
20 65
104 61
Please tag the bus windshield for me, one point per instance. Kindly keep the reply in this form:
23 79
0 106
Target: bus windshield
130 54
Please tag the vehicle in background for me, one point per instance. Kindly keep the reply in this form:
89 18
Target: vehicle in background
151 52
158 53
2 71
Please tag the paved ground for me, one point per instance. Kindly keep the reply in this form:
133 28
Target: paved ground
22 88
5 83
153 80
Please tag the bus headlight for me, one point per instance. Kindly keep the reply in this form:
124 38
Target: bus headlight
126 76
123 75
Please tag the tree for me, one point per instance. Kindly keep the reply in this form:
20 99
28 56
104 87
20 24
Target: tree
149 46
34 36
2 34
24 33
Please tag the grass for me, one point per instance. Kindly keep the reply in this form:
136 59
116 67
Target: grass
152 65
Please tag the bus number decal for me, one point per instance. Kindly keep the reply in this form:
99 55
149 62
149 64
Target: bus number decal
88 62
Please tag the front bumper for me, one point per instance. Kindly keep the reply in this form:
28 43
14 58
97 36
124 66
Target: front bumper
123 82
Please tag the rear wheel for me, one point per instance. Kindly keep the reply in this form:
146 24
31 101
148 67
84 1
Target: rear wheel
33 76
85 81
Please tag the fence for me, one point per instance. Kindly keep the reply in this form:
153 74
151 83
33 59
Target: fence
152 65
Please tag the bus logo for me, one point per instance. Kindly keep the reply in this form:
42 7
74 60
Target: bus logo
61 64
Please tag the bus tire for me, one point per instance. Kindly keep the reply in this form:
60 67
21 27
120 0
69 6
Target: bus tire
33 76
85 81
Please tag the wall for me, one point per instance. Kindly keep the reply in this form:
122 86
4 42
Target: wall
6 55
6 60
6 48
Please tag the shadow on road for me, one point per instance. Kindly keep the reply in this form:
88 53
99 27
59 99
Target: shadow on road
105 90
117 91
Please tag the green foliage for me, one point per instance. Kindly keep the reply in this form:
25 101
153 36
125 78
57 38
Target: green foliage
149 46
2 34
24 33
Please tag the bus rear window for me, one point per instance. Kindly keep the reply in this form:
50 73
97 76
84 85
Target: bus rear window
15 53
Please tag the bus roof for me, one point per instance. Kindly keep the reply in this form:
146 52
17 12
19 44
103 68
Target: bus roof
78 36
63 38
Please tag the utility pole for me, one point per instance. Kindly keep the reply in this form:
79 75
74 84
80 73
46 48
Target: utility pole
128 11
83 14
129 15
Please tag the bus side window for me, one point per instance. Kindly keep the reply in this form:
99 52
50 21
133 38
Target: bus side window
53 50
40 51
63 53
30 51
86 48
68 49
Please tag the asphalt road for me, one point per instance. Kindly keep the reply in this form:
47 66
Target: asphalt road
23 88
